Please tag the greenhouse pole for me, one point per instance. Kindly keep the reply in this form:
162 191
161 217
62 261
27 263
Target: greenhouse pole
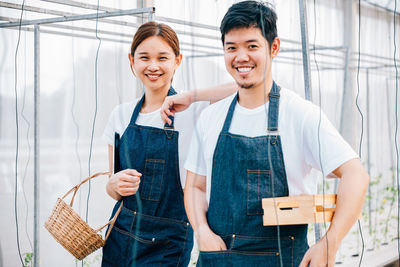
305 49
36 151
307 72
346 121
369 154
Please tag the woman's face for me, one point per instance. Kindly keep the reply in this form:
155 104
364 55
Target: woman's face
154 63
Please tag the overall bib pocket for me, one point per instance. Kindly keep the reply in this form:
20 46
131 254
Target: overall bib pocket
258 186
152 179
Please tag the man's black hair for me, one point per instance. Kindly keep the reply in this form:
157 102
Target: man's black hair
251 14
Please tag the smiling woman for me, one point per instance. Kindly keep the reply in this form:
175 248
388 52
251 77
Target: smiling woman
152 228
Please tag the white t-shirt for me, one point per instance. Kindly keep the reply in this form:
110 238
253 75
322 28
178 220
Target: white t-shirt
298 128
184 123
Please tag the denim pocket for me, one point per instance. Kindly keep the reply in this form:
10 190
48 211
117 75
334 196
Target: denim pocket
237 258
214 258
263 249
116 249
152 179
258 187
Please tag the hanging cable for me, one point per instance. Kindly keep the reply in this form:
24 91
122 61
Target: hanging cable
17 130
266 100
396 128
75 122
29 151
361 114
319 128
96 107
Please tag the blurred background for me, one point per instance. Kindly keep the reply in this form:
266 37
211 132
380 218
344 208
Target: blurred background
340 54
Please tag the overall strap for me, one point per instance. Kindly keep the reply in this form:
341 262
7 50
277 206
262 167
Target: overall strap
137 110
273 110
139 105
229 116
171 91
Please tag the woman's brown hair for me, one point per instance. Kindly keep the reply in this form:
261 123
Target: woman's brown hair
153 28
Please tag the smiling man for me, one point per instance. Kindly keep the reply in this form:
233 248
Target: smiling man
263 142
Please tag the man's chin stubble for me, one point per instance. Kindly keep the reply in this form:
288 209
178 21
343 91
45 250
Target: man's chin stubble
246 86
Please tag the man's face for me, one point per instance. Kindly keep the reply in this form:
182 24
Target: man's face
247 57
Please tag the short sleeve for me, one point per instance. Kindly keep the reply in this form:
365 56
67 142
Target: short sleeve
324 147
109 130
195 161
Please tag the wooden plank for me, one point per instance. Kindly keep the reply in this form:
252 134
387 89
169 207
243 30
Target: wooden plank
301 209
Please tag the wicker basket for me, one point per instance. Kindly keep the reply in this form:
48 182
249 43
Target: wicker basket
73 233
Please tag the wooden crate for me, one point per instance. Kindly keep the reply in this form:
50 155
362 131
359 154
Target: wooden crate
301 209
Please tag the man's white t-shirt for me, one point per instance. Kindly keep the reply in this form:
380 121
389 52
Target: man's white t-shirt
298 126
184 123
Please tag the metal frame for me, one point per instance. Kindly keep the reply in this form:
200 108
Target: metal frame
107 12
36 150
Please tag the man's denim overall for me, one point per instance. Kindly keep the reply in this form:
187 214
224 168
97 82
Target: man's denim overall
159 234
245 170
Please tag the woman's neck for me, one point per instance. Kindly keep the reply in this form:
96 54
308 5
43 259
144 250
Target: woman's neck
154 99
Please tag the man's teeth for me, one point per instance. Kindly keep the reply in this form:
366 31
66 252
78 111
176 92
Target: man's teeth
244 69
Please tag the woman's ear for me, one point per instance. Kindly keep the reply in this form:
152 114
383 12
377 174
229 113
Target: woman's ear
131 61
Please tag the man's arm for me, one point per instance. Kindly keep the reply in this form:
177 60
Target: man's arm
196 208
352 188
182 101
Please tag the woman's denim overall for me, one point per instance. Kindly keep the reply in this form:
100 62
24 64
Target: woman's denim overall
245 170
157 232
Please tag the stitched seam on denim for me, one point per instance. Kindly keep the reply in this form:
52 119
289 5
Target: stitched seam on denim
232 243
283 169
162 219
268 137
257 171
254 253
154 162
177 165
183 247
256 238
213 167
153 129
141 239
292 249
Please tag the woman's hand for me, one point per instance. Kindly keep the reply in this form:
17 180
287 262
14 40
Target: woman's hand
208 240
124 183
173 104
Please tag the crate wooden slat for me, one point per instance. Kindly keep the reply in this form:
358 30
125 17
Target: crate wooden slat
301 209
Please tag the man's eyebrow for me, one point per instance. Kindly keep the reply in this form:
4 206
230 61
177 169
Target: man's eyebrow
248 41
251 41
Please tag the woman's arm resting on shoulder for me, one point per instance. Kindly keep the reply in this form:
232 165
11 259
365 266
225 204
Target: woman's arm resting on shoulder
352 188
182 101
123 183
196 208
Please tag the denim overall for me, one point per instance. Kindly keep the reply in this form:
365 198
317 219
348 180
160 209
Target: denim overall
152 228
245 170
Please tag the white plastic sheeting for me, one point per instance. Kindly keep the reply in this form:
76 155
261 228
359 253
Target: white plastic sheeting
67 105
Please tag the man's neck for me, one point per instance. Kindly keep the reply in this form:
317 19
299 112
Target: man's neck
254 97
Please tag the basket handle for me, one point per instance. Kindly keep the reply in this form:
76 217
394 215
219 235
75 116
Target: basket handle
111 222
76 187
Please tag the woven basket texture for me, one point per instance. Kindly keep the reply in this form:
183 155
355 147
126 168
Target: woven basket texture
73 233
